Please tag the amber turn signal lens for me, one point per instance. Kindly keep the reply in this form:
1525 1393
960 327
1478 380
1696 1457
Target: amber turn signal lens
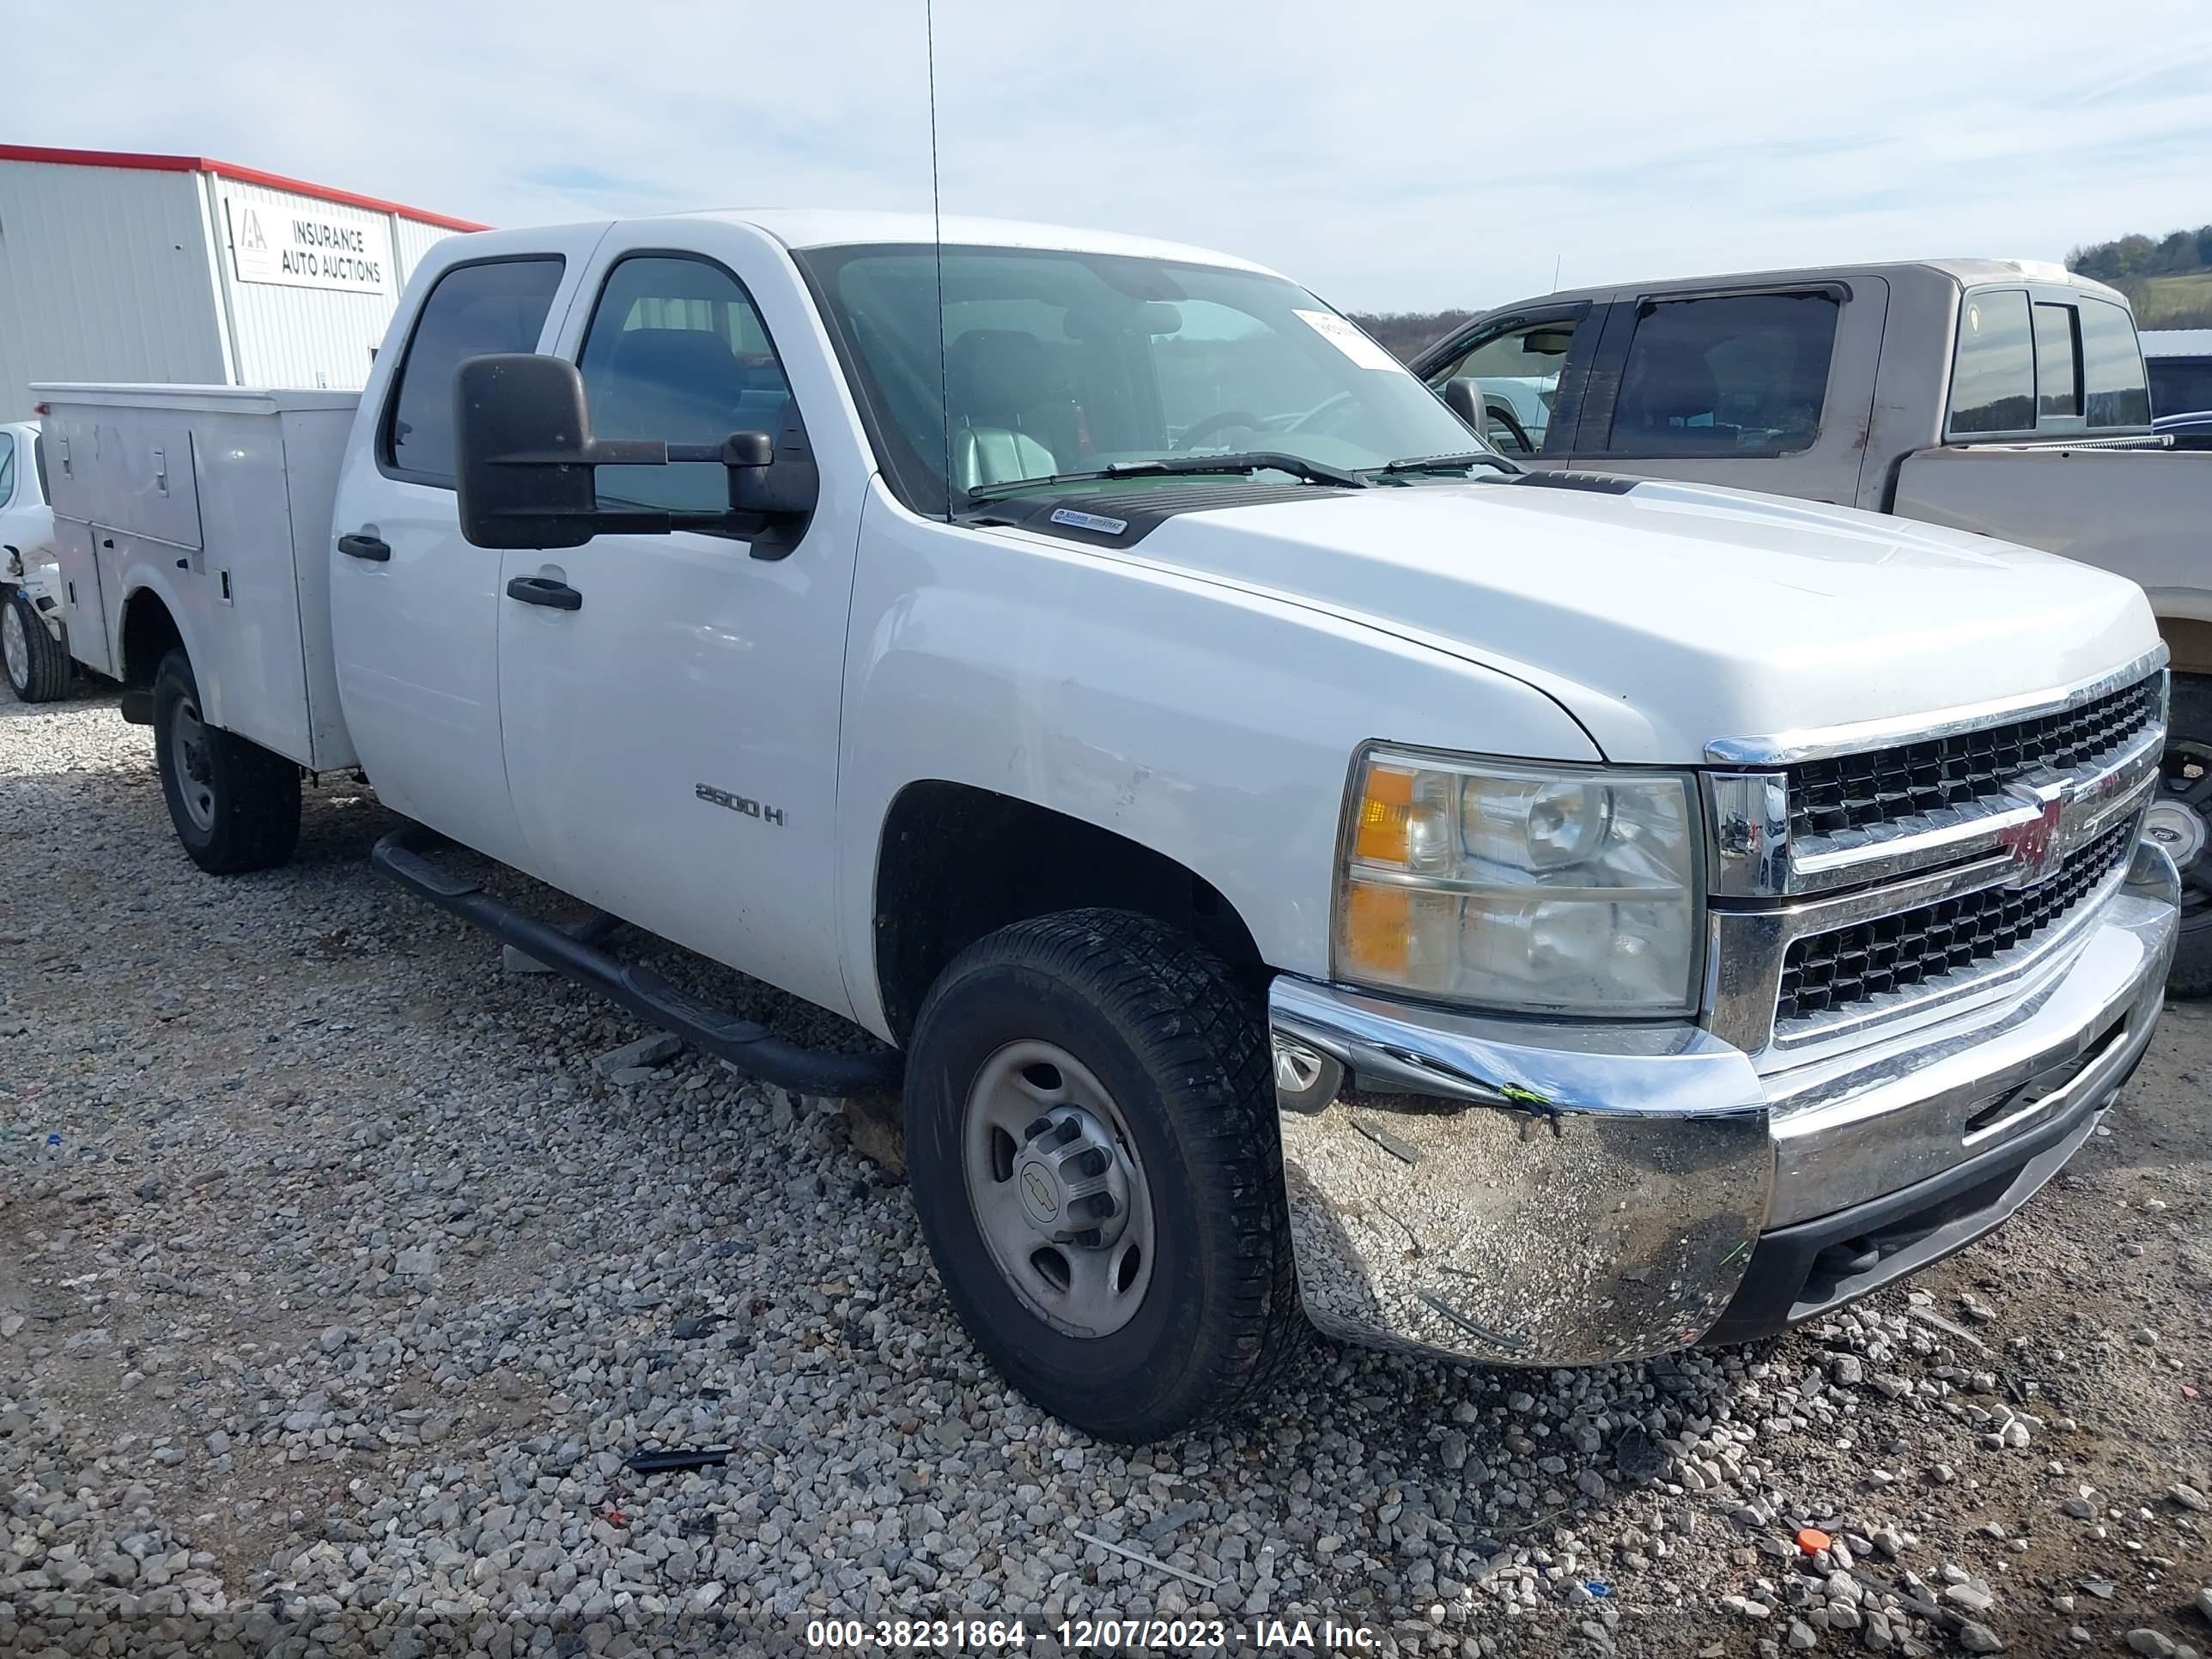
1386 813
1377 928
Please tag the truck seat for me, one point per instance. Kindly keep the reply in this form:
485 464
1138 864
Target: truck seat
1668 398
995 381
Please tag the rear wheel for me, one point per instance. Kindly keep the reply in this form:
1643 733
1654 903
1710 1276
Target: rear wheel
37 666
235 806
1091 1147
2179 818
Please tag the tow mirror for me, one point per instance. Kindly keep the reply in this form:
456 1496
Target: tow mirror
526 466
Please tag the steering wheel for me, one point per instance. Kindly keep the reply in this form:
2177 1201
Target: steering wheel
1511 422
1198 431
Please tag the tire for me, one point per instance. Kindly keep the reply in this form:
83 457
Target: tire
2189 750
235 806
37 664
1210 1316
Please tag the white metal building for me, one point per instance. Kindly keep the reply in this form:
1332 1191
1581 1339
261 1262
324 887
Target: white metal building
2177 342
138 267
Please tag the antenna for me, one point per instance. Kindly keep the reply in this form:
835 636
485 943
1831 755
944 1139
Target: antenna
937 236
1555 270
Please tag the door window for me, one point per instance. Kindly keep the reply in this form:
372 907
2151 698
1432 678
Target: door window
2113 390
676 351
2057 361
1518 374
6 468
1737 374
1993 377
498 306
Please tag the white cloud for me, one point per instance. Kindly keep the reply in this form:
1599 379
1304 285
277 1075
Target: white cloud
1420 154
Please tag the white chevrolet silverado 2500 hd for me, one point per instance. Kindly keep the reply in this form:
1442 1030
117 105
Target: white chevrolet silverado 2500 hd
1307 868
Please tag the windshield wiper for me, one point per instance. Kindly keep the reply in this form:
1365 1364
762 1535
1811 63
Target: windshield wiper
1252 460
1455 463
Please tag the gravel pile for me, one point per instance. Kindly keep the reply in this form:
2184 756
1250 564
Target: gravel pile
342 1269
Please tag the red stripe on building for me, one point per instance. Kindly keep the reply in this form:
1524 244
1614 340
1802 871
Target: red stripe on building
132 161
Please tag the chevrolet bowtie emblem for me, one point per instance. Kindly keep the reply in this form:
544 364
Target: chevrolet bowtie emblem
2039 846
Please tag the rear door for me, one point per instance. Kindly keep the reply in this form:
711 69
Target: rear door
670 702
1768 387
415 610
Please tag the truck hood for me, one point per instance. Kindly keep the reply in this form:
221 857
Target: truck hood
1673 615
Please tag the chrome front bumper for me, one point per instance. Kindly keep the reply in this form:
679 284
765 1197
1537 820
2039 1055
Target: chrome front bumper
1525 1192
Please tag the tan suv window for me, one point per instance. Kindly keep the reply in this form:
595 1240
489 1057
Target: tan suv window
1734 374
1993 377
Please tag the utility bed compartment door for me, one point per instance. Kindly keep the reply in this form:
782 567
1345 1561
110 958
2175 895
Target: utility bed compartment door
81 613
145 480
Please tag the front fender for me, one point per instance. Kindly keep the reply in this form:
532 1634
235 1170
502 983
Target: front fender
1211 724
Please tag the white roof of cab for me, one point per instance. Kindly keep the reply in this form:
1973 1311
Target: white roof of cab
816 228
812 227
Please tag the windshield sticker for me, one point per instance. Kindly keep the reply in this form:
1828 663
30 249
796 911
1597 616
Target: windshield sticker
1350 341
1097 521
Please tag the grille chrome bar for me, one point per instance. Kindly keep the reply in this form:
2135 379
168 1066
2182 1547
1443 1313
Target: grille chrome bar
1747 949
1824 743
1759 846
1864 963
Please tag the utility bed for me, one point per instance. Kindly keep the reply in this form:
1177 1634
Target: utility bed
218 500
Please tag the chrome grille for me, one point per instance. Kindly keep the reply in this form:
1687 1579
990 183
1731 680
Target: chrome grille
1824 972
1881 786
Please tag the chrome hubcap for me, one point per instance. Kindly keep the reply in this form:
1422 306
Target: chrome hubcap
2178 828
1057 1189
15 647
1297 1069
195 764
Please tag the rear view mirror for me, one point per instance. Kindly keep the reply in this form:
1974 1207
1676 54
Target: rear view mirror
526 466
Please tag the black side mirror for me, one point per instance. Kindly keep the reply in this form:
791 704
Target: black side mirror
526 466
1463 393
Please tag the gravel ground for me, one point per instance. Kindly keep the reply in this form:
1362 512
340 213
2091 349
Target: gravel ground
337 1281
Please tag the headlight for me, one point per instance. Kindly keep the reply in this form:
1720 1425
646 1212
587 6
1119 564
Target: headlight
1535 888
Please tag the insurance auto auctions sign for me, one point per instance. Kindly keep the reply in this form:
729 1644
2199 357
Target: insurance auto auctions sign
308 246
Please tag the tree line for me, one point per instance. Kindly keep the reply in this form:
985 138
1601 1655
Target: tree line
1403 333
2178 253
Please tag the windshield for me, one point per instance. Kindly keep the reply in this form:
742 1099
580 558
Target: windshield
1057 362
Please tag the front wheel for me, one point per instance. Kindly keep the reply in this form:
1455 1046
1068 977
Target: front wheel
37 666
2179 818
1092 1151
235 806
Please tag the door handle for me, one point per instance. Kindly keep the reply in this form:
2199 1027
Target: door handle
543 590
372 548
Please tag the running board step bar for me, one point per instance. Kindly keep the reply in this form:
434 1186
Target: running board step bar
749 1048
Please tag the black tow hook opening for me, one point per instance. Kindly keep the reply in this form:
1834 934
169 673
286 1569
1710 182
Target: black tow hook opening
403 855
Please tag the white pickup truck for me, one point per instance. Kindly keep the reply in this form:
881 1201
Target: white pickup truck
1307 868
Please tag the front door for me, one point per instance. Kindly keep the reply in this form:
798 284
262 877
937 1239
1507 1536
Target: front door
669 702
1525 372
415 610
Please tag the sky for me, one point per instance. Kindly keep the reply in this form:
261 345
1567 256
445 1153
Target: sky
1407 157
